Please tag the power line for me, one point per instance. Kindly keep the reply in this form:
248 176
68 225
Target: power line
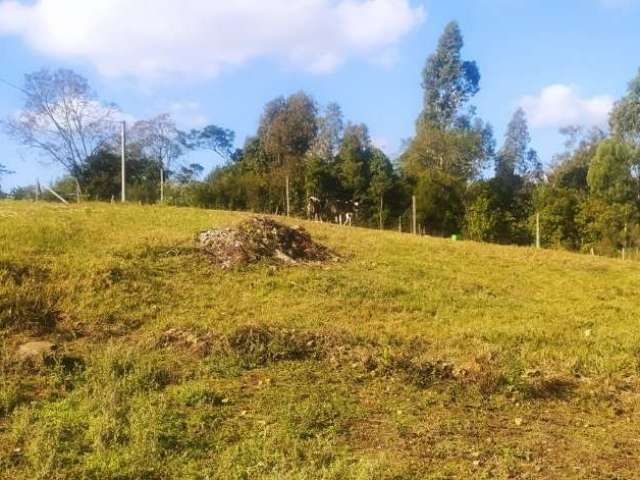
6 82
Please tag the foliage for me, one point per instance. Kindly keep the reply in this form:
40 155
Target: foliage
288 128
353 161
213 138
158 139
27 192
625 117
440 203
447 80
101 177
570 168
610 173
62 118
558 208
330 129
4 171
606 227
482 218
515 156
382 181
461 153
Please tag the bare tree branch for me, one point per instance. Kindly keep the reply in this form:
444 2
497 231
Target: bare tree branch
62 118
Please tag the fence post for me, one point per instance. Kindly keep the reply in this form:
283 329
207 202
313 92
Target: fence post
123 142
287 189
400 224
413 210
537 230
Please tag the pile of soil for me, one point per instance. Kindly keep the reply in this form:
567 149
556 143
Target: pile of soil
262 239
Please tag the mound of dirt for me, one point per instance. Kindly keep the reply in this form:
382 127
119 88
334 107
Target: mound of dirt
262 239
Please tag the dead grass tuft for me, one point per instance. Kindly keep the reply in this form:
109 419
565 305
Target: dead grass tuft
28 303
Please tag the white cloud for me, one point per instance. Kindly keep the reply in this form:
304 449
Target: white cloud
201 38
188 114
561 105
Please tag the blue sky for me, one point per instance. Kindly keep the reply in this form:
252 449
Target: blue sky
205 62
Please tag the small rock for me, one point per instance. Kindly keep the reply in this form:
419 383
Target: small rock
518 421
35 352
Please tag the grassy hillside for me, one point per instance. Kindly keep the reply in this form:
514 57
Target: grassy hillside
410 358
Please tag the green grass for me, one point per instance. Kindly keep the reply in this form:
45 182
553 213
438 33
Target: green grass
413 357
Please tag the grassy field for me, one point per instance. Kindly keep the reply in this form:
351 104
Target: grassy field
412 357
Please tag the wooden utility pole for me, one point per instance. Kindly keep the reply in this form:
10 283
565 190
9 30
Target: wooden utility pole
413 211
123 140
537 230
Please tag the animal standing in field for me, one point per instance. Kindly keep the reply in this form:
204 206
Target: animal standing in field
314 209
343 212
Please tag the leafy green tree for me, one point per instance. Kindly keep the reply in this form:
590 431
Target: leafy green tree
570 168
461 153
320 178
382 179
515 157
610 173
27 192
625 116
100 175
353 161
440 203
516 170
558 208
481 218
330 129
604 226
213 138
448 81
287 130
451 146
189 173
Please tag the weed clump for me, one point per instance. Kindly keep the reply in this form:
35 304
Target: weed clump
261 239
261 344
27 302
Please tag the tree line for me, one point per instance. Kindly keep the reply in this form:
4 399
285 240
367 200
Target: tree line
587 199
